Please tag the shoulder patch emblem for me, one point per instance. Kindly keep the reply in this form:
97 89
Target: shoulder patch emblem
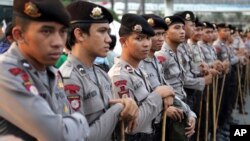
74 102
120 82
73 89
123 92
161 59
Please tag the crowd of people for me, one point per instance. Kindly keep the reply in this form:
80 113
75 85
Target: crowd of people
177 78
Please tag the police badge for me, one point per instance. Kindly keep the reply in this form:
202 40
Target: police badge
31 10
151 21
168 21
96 13
137 28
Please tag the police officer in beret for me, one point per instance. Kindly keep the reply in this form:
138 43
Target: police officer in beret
33 102
210 56
88 87
195 81
182 120
193 85
155 74
152 67
128 79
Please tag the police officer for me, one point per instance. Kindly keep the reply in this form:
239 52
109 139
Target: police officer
223 54
33 102
87 86
128 79
193 85
156 77
210 56
174 75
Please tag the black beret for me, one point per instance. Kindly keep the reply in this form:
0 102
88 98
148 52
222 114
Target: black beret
208 25
222 25
136 23
41 10
169 20
186 15
155 21
232 29
198 23
87 12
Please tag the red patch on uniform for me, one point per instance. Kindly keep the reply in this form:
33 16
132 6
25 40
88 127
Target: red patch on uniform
15 71
27 85
73 89
123 92
120 82
25 77
75 102
161 59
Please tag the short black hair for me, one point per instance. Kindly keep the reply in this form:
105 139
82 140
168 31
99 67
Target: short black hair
113 42
71 40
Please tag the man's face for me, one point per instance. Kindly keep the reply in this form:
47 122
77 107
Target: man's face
43 42
197 34
207 35
137 46
176 33
215 34
98 40
157 40
189 28
224 33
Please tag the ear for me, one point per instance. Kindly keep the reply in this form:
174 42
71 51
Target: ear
79 35
18 34
122 41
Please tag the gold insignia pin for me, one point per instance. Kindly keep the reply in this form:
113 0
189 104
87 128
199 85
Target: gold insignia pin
31 10
96 13
151 22
60 84
168 21
137 28
188 17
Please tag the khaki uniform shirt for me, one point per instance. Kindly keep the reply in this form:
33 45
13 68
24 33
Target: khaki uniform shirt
89 90
34 106
134 83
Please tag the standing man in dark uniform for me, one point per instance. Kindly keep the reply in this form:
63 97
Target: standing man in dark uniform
88 87
33 102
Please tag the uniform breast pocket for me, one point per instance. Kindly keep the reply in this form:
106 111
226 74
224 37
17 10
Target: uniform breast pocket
93 105
62 104
173 71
